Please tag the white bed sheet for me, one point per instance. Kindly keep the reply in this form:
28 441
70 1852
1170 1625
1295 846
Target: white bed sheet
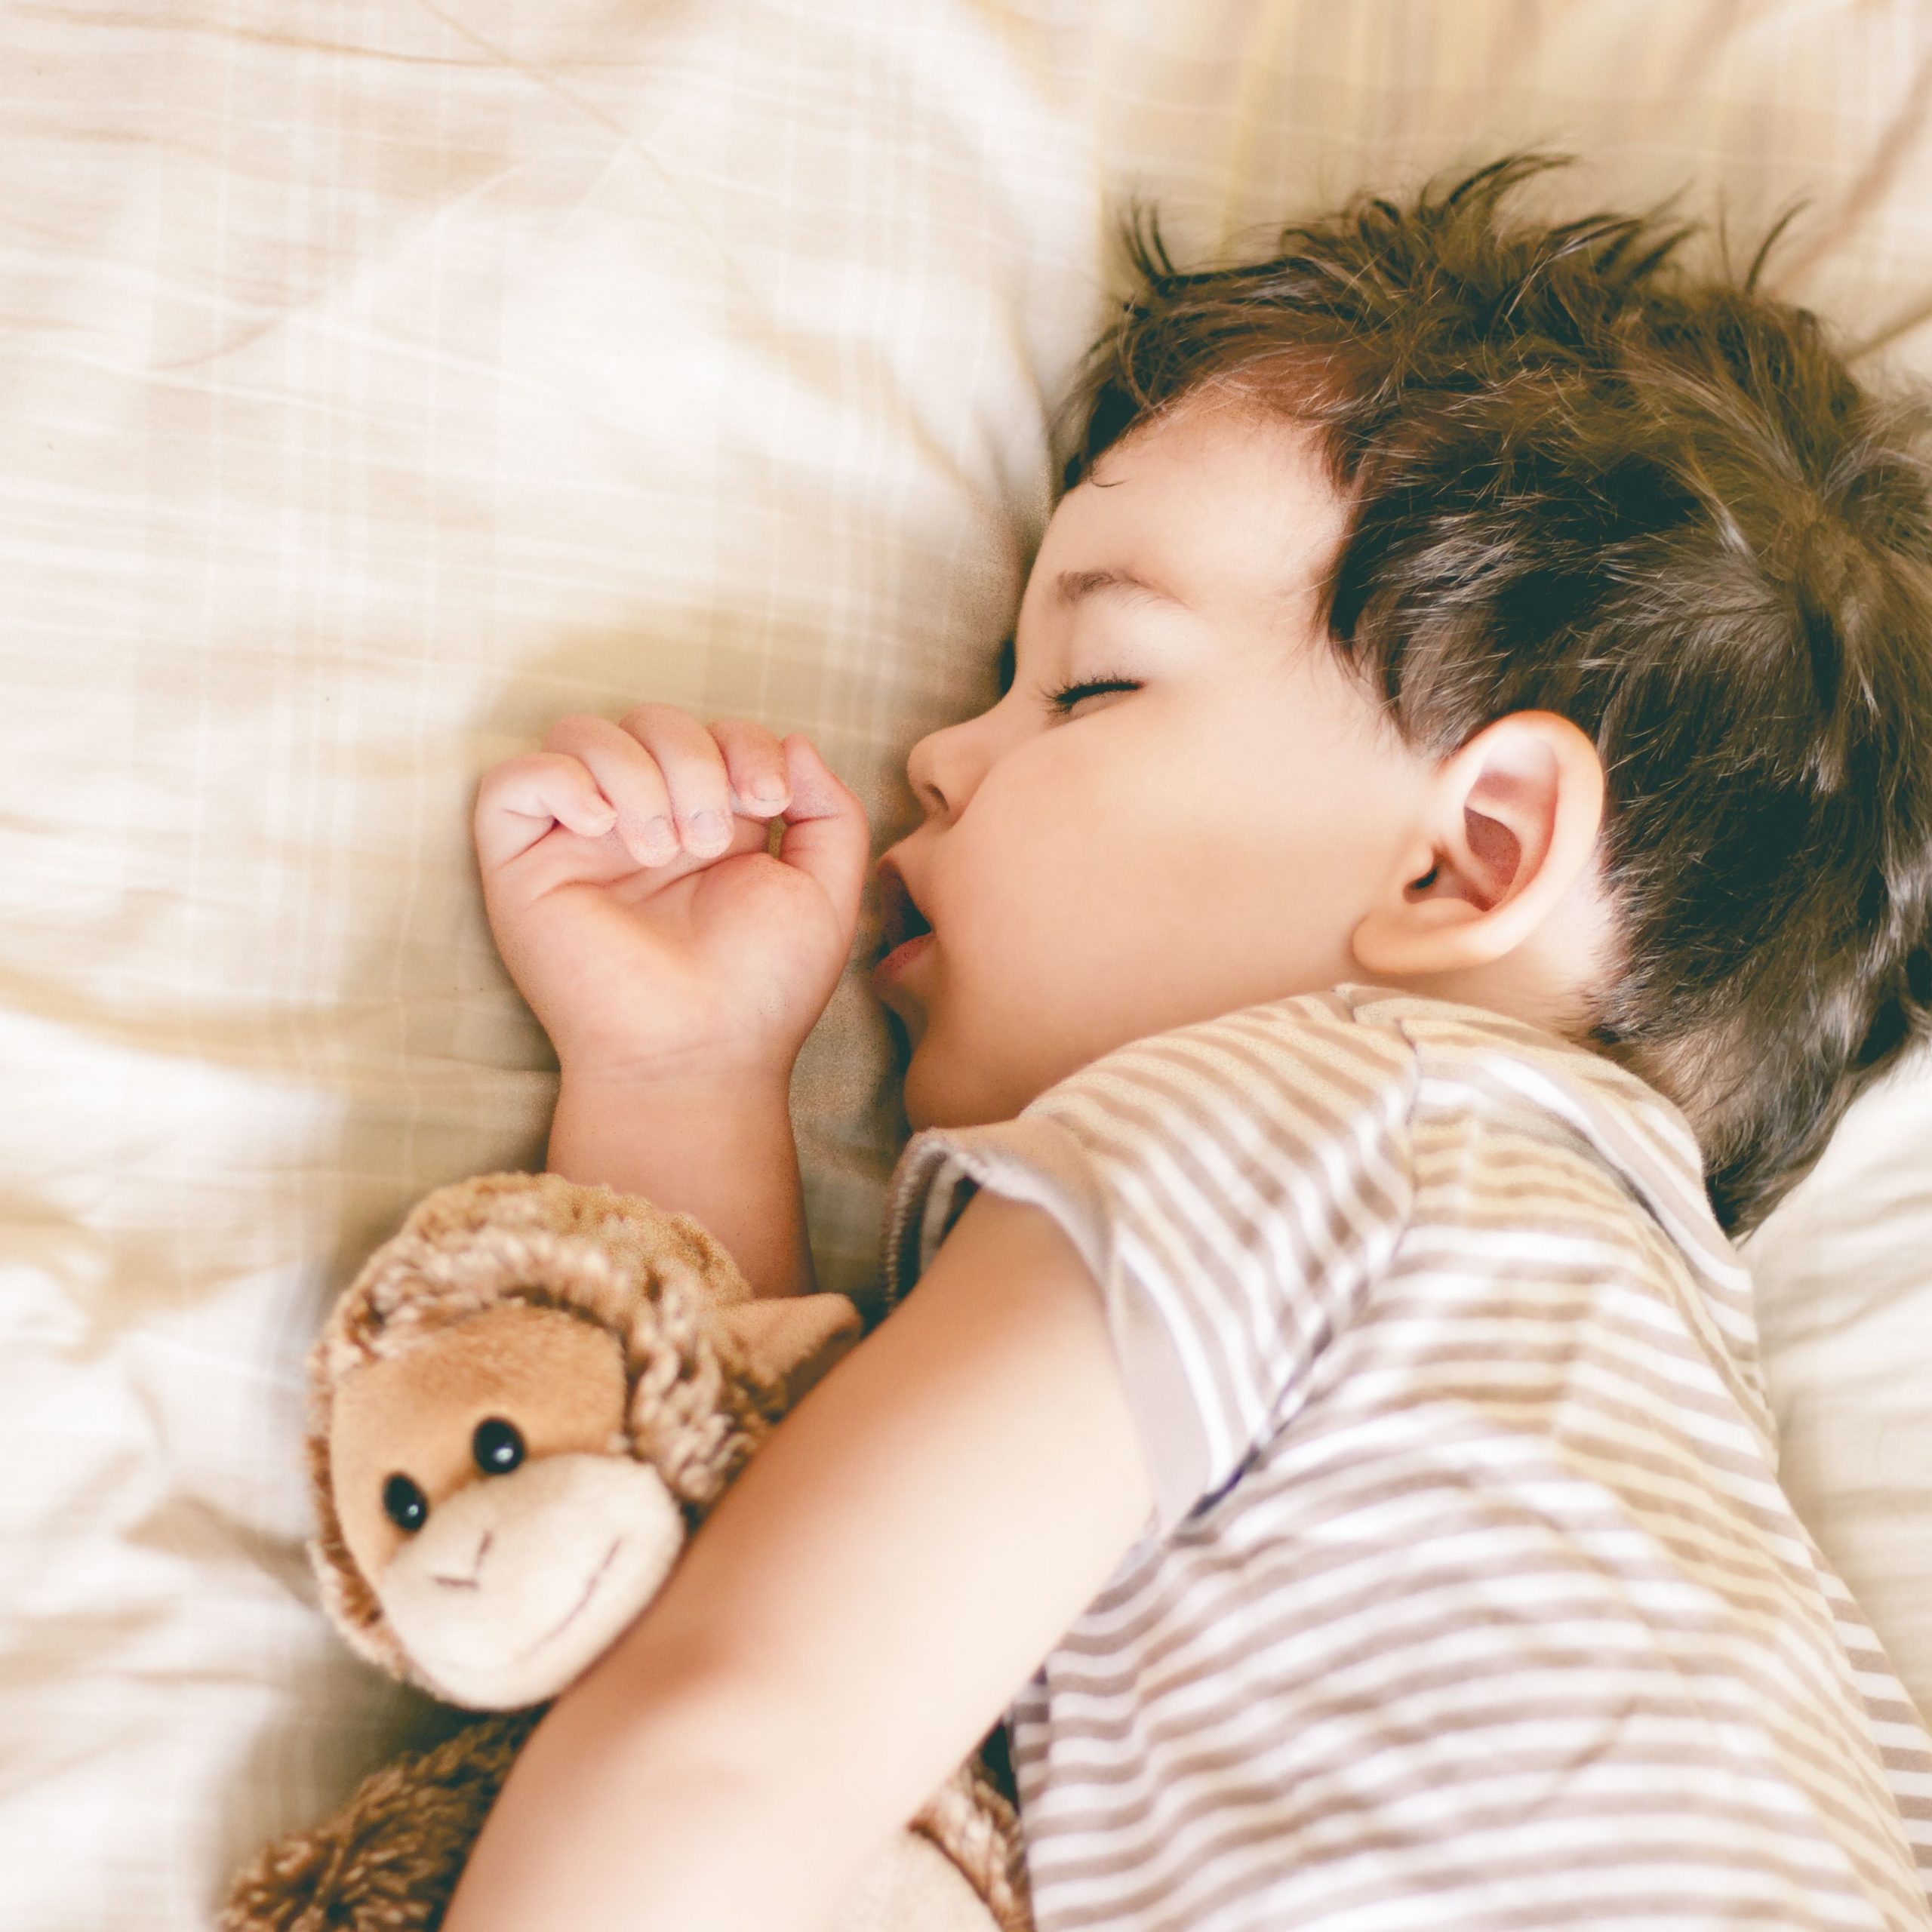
380 378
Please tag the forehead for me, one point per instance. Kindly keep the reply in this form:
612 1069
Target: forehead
1214 503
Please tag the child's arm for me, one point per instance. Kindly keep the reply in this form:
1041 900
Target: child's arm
677 981
848 1622
720 1150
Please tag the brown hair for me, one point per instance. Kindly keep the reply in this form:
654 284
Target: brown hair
1582 482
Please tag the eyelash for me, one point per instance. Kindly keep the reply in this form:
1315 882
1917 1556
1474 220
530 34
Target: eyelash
1060 703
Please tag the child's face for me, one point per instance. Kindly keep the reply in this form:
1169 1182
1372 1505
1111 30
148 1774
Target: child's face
1203 842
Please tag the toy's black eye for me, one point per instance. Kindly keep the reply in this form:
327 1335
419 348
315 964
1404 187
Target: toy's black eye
405 1505
497 1447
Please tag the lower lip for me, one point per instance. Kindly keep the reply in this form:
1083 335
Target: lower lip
895 961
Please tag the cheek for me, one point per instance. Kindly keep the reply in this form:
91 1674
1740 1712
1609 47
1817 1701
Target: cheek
1092 845
1106 885
1038 867
1049 909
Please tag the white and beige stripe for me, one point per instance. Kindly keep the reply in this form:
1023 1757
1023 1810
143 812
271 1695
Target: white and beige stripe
1472 1598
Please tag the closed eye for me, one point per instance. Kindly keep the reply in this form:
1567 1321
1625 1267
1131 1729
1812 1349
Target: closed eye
1061 702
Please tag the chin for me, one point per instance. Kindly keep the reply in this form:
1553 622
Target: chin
919 1098
932 1099
937 1095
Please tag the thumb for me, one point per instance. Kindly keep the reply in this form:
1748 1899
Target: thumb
825 835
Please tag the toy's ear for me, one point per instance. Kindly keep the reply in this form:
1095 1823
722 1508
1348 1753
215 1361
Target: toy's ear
792 1340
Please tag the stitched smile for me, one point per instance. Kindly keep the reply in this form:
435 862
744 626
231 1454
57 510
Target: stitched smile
577 1609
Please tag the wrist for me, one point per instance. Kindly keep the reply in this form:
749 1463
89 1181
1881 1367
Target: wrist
764 1086
716 1145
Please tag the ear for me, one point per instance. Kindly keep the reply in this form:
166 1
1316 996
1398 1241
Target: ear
792 1340
1510 824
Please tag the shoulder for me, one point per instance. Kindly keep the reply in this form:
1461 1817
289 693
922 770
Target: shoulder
1486 1058
1481 1076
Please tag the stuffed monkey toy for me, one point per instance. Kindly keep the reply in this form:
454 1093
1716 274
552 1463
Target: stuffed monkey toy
520 1408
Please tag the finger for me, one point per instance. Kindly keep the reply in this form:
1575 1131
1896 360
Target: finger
630 778
693 769
755 763
825 834
518 801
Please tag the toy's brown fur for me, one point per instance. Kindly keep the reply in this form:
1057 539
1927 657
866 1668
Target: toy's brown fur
388 1860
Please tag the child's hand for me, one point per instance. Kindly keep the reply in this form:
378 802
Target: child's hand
645 956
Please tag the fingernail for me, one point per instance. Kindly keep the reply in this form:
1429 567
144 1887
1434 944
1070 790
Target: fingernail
708 829
660 838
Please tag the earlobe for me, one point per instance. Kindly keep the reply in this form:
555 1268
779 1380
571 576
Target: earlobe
1510 824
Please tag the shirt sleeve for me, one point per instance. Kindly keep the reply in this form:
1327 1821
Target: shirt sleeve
1235 1187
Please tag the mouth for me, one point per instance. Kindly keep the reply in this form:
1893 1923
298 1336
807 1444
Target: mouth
577 1609
905 931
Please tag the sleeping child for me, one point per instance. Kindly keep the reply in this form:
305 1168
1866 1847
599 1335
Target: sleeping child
1455 835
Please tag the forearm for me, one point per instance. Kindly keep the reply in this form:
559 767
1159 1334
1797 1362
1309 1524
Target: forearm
656 1808
723 1153
653 1808
852 1618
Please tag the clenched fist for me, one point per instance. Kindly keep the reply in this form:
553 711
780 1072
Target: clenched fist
628 882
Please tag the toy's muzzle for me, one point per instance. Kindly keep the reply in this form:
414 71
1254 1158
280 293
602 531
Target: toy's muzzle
518 1582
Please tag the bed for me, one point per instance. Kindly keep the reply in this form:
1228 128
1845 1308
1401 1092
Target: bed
380 380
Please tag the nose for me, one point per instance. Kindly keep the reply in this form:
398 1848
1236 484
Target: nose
945 768
474 1580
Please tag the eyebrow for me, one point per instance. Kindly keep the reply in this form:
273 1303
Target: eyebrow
1076 586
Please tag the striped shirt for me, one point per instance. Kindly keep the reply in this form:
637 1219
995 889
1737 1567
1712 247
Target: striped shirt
1470 1597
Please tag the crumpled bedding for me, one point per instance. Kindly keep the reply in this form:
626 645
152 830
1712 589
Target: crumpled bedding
379 380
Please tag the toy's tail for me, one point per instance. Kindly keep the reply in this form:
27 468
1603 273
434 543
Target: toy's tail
388 1860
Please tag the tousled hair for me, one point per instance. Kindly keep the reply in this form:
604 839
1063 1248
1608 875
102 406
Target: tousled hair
1581 481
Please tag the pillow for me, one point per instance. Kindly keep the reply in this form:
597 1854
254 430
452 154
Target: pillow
1844 1314
382 383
